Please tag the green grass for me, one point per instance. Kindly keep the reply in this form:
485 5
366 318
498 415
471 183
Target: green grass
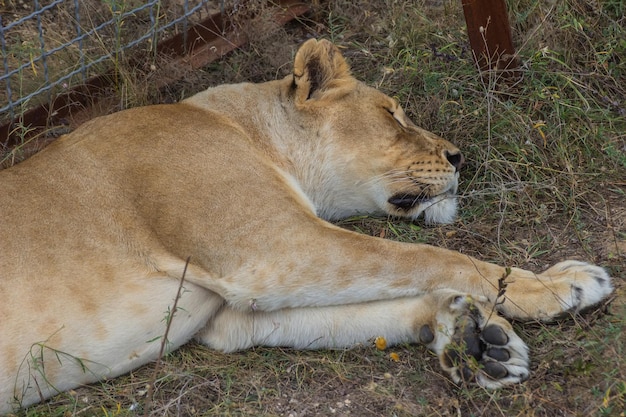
545 181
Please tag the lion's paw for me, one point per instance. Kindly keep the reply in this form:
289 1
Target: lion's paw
474 345
588 284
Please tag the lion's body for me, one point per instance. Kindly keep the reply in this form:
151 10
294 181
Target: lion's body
96 229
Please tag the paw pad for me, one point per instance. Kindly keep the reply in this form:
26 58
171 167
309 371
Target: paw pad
495 370
491 355
495 335
426 335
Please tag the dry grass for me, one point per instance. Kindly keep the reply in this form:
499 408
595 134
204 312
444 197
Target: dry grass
546 180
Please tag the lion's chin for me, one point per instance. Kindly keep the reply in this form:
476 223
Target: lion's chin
440 210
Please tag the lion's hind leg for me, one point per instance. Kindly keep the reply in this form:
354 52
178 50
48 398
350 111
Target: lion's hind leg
476 345
473 343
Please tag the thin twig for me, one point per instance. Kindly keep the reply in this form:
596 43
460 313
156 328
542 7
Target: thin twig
157 365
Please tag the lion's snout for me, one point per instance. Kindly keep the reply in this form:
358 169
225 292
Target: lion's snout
455 158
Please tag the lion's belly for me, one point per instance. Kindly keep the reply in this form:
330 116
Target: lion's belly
121 328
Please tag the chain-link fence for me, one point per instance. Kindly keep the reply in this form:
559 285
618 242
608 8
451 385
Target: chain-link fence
49 46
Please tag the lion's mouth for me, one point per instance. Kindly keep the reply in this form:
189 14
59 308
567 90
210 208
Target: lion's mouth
437 208
407 201
440 208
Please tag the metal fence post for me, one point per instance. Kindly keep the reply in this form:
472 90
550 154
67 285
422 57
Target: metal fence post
489 34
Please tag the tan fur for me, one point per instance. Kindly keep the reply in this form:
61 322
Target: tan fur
95 231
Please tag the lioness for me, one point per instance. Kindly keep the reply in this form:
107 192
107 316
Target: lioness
96 230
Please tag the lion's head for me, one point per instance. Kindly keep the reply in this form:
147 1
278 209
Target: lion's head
368 156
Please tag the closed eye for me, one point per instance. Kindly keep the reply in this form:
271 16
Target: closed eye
398 116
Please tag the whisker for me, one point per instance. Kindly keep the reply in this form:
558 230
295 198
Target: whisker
513 186
396 176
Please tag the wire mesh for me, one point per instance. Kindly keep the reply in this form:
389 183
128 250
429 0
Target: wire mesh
48 46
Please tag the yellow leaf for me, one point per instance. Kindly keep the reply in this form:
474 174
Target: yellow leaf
538 126
607 397
394 357
32 64
381 343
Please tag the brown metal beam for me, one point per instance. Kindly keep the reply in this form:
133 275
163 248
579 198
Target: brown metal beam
489 33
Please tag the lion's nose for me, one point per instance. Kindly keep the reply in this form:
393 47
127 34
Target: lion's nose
455 158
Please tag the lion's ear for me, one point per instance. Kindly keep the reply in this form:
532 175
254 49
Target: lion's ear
320 71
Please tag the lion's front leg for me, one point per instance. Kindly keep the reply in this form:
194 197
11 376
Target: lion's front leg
323 265
568 286
473 343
